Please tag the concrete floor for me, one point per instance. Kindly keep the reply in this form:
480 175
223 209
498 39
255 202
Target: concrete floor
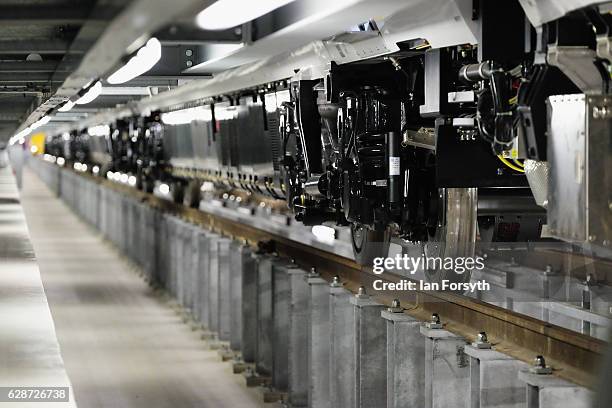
122 346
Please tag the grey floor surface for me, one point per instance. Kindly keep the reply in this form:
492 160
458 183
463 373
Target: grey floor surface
122 346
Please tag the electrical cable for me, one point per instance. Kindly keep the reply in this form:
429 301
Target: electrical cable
507 163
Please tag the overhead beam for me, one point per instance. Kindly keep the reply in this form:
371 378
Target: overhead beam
28 66
184 35
30 77
50 46
44 14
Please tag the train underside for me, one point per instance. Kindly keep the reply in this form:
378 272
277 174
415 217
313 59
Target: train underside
445 140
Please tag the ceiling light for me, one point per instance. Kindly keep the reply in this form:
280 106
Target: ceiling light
224 14
185 116
67 106
144 60
92 93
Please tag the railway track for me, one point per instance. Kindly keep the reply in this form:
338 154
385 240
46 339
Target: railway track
573 356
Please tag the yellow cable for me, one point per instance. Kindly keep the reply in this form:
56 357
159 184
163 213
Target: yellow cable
507 163
518 163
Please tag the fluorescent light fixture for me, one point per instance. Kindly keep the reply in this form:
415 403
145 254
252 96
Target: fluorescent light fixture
67 106
18 137
324 234
132 181
101 130
95 169
40 122
61 161
144 60
125 90
185 116
224 14
92 93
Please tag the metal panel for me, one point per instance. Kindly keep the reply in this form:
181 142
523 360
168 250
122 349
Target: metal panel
580 157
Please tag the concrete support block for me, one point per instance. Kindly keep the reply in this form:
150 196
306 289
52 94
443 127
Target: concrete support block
174 257
405 361
162 250
342 348
189 277
213 283
225 299
240 262
447 369
370 353
281 303
179 267
319 339
494 379
548 391
299 328
265 316
249 337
